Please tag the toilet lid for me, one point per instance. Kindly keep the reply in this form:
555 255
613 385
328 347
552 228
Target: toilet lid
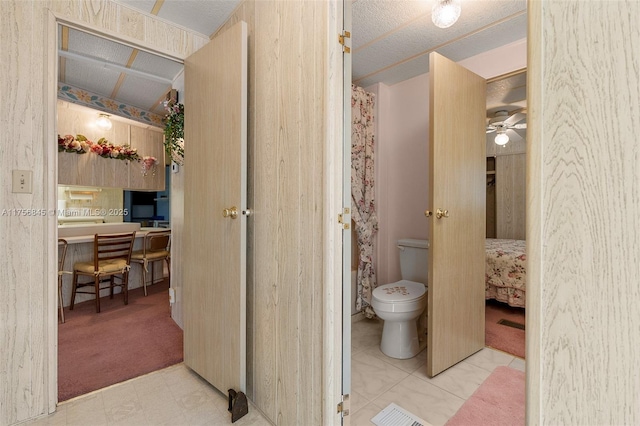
401 291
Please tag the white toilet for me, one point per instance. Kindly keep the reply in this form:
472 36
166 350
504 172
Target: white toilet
400 304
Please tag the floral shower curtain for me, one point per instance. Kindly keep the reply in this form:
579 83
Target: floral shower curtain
362 193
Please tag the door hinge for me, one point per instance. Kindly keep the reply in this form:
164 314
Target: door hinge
343 406
342 38
344 218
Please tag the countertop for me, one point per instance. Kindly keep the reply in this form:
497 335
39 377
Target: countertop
88 238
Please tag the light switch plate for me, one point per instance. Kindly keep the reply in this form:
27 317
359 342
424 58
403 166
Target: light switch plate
22 181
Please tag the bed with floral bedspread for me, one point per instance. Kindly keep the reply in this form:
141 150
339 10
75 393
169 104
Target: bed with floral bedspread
505 271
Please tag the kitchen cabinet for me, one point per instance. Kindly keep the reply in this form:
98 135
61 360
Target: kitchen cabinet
92 170
147 143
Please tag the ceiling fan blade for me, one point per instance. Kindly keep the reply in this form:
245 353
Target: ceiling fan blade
518 116
514 136
491 129
520 126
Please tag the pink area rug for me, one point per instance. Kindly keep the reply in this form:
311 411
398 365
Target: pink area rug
500 336
119 343
499 401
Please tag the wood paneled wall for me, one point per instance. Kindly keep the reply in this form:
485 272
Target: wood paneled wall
510 188
27 247
510 179
583 224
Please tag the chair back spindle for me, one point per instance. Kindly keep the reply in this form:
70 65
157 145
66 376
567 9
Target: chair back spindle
157 247
111 257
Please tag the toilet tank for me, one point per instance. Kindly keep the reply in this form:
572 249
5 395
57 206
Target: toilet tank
413 260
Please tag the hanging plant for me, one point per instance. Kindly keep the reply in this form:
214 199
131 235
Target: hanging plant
174 131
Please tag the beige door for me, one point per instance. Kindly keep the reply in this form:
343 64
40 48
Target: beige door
456 188
214 236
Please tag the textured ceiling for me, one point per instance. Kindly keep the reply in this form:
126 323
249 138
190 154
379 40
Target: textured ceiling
391 42
202 16
392 39
115 71
507 94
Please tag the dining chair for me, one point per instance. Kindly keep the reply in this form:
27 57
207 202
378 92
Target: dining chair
62 253
157 247
111 260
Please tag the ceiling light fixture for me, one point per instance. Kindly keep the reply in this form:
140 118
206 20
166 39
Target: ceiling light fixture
445 13
501 138
103 122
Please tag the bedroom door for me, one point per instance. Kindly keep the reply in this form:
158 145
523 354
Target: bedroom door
457 199
214 258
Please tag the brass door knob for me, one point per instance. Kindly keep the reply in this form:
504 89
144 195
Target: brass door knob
232 212
442 213
428 213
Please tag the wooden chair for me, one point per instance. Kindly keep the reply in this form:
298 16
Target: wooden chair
157 247
111 257
62 253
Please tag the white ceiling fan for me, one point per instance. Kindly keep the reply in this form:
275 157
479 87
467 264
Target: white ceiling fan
505 126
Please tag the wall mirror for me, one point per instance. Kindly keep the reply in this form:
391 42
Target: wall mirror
506 159
506 113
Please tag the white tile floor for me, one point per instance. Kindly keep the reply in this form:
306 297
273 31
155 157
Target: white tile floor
378 380
172 396
177 396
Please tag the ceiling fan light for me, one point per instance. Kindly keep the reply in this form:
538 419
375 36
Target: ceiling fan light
445 13
103 122
501 139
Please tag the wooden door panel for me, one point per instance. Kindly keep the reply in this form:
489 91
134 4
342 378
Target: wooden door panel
215 179
457 184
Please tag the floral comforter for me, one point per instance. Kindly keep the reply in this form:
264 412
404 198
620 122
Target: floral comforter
505 271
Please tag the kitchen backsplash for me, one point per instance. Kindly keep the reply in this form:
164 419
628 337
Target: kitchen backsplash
90 201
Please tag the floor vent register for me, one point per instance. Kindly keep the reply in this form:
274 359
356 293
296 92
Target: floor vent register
394 415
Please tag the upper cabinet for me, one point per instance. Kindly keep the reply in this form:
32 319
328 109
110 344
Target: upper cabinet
147 143
93 170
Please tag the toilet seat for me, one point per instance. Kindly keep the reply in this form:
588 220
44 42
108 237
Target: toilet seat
400 304
402 291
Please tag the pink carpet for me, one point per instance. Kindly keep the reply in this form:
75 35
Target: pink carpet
119 343
500 400
503 337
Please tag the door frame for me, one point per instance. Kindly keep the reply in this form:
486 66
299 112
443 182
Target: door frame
346 213
534 187
333 188
51 180
533 336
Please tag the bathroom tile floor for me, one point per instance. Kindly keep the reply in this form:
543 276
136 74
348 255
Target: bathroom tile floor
377 380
